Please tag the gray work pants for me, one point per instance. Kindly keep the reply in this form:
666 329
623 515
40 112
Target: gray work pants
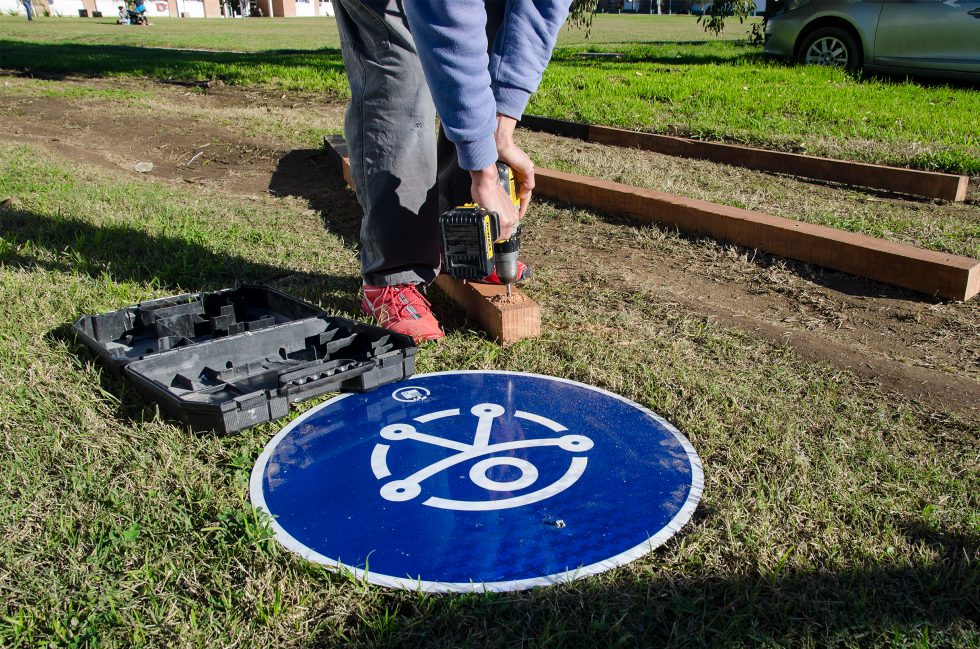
392 143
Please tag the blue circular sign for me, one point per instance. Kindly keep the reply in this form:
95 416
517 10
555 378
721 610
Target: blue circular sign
477 480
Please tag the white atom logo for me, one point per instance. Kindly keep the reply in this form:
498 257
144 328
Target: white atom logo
404 489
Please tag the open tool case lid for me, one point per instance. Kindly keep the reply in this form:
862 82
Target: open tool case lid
238 357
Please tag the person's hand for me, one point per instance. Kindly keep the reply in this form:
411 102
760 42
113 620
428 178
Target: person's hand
488 193
514 156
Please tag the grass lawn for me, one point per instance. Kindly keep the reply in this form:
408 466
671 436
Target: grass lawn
831 516
314 33
731 91
667 82
835 512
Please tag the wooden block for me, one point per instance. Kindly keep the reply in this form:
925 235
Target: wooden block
934 273
508 320
950 187
335 146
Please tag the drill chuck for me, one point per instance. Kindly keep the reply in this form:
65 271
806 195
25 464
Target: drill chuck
505 255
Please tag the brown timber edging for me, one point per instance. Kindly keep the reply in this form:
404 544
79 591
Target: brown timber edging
935 273
506 319
930 184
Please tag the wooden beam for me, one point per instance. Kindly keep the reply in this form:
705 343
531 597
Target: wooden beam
950 187
506 319
335 147
934 273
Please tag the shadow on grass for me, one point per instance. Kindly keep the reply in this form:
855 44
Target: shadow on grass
131 255
171 264
319 69
862 606
310 175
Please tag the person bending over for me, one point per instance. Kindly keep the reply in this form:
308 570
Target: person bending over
475 63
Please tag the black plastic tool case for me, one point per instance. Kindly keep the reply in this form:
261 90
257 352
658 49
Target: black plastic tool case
235 358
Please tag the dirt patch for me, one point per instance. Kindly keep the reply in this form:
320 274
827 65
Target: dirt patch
178 151
178 130
904 344
901 342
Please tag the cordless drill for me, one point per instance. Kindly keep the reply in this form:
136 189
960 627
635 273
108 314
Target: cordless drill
471 244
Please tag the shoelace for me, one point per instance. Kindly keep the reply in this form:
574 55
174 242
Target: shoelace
389 298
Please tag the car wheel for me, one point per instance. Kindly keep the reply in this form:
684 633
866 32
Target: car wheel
831 46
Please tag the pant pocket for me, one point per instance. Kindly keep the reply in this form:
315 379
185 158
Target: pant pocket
361 26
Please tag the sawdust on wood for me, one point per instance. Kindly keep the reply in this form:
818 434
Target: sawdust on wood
512 299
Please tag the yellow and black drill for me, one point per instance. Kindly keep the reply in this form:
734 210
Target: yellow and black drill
470 233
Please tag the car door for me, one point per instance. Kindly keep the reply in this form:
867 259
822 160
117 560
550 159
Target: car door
929 34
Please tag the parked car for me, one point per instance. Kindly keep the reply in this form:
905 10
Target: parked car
928 37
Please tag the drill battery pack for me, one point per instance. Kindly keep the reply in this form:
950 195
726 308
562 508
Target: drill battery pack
468 234
470 231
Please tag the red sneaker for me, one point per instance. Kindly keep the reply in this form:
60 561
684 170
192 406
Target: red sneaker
523 273
401 309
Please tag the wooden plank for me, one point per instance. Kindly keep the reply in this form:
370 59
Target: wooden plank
950 187
506 319
934 273
561 127
335 146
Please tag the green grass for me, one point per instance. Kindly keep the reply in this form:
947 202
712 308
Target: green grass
309 71
238 35
731 91
831 516
313 33
671 80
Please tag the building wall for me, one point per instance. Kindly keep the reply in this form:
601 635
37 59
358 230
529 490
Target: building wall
156 8
284 8
65 8
193 8
58 7
109 8
163 8
305 8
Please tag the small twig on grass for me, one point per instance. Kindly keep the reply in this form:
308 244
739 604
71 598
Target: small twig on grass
197 155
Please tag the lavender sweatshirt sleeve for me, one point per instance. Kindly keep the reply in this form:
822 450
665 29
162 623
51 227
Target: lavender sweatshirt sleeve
469 87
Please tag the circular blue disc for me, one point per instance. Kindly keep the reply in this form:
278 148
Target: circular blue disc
477 480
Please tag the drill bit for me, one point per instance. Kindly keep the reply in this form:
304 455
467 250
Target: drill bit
509 290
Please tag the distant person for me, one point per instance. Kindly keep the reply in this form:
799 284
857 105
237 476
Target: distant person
141 12
29 7
123 16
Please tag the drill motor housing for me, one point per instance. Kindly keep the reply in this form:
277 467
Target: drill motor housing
470 238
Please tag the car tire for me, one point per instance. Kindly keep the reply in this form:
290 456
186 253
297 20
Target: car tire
831 46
